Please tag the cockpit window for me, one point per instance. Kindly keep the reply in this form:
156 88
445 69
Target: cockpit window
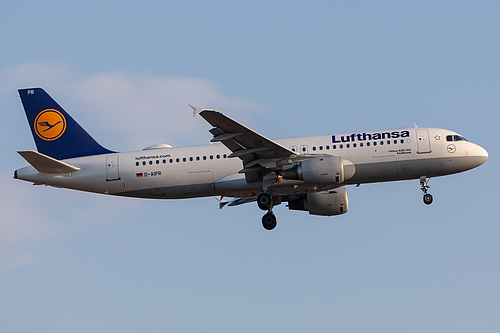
455 138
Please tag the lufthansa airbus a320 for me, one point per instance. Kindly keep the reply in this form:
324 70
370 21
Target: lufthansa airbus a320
309 173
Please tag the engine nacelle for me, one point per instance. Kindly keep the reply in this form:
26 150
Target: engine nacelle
328 203
328 170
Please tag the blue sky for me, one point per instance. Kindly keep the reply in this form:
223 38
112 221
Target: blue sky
126 71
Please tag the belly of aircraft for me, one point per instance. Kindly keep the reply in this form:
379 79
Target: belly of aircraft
410 169
172 192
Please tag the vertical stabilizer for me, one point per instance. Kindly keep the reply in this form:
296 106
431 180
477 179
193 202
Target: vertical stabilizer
56 134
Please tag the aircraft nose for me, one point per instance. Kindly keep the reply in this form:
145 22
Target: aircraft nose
482 155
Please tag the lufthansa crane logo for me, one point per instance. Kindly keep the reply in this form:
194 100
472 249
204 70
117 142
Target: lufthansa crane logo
50 124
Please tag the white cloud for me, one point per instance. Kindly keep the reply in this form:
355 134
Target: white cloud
13 258
25 221
23 216
33 215
128 111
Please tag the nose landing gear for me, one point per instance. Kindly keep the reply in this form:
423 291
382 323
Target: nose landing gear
424 186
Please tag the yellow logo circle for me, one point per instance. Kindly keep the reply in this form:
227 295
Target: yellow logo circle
50 124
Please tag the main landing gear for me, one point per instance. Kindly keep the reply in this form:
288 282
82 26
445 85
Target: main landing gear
269 221
424 186
265 202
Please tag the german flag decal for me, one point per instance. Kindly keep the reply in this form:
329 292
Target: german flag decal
139 175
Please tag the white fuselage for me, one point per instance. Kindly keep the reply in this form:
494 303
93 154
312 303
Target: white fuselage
198 171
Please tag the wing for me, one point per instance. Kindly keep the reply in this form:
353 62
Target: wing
259 154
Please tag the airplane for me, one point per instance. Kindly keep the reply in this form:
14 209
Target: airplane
309 173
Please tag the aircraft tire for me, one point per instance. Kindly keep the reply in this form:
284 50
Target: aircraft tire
428 199
269 221
264 201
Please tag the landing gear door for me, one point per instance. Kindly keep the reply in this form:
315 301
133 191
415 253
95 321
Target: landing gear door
112 172
423 142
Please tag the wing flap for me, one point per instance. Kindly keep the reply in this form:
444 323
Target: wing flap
223 137
248 151
44 163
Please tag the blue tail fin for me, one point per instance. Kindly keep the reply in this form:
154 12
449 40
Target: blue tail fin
56 134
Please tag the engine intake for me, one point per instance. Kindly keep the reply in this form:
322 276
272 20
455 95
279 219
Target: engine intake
328 170
328 203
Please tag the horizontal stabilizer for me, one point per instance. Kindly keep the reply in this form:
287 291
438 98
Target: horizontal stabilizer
44 163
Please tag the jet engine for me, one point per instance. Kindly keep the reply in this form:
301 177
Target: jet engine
328 203
328 170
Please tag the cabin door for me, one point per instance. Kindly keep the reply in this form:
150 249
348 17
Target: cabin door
112 172
423 142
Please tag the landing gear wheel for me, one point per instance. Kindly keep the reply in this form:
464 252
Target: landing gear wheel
424 186
427 199
269 221
264 201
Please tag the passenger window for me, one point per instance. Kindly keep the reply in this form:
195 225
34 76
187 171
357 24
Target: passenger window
170 161
157 161
388 142
197 158
341 146
218 156
150 162
374 143
164 161
136 163
395 142
368 144
361 144
225 156
183 159
402 141
348 146
314 148
211 157
334 146
177 160
204 158
381 143
327 148
190 159
354 145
